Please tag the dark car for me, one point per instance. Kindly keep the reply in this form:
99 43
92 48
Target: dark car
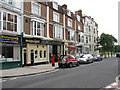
118 55
68 60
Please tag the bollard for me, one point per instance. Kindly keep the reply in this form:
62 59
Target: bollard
53 60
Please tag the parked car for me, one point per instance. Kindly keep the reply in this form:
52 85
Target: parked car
118 55
97 57
68 60
87 58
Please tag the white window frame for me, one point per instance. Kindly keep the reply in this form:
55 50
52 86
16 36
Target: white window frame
55 5
71 36
69 13
78 18
33 28
58 32
69 22
9 21
39 13
79 28
56 17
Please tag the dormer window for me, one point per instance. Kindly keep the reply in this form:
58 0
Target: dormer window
55 5
69 13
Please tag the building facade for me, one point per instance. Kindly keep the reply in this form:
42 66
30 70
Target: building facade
11 17
38 30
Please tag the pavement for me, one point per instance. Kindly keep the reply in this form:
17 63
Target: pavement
28 70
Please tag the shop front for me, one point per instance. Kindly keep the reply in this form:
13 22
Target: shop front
10 55
34 51
56 48
72 49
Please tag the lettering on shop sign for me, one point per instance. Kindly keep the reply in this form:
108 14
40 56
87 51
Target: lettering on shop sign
32 41
10 39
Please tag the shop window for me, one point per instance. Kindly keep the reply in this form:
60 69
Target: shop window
36 54
40 53
44 54
9 53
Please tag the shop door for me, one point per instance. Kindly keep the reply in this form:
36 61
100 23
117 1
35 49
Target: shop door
32 57
55 50
25 58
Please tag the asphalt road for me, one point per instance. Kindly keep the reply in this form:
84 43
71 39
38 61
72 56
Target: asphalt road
95 75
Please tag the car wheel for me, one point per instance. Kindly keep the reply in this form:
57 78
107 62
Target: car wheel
60 66
78 64
70 65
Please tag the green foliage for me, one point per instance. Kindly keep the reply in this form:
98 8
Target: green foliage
107 42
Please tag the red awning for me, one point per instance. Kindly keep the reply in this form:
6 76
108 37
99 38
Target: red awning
72 48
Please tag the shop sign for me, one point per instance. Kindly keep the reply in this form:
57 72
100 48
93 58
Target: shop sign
31 40
10 39
51 42
72 48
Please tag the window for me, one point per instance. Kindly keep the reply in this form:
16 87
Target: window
55 5
68 35
8 53
0 20
71 35
94 39
56 17
10 2
94 30
86 39
78 27
69 13
9 22
79 38
44 54
35 9
90 38
40 53
36 54
69 22
37 28
58 32
78 18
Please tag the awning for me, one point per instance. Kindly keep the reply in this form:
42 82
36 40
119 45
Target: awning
72 48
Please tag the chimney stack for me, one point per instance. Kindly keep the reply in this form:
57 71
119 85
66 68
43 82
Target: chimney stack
64 6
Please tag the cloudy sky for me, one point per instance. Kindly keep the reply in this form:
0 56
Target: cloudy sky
104 12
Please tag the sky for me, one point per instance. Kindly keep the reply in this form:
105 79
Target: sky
104 12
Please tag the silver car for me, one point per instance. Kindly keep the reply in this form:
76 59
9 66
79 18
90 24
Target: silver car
87 58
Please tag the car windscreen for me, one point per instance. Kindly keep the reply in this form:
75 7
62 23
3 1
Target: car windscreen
63 57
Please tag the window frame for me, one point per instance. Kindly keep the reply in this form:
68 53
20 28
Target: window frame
70 22
58 32
55 5
54 17
35 28
39 13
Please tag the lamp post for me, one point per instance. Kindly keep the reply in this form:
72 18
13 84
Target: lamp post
21 46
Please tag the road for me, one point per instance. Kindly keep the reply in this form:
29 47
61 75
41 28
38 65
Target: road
94 75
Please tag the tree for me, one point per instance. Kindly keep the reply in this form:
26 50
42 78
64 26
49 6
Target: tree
107 42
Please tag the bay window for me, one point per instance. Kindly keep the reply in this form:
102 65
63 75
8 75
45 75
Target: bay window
36 9
37 28
9 22
71 35
58 32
